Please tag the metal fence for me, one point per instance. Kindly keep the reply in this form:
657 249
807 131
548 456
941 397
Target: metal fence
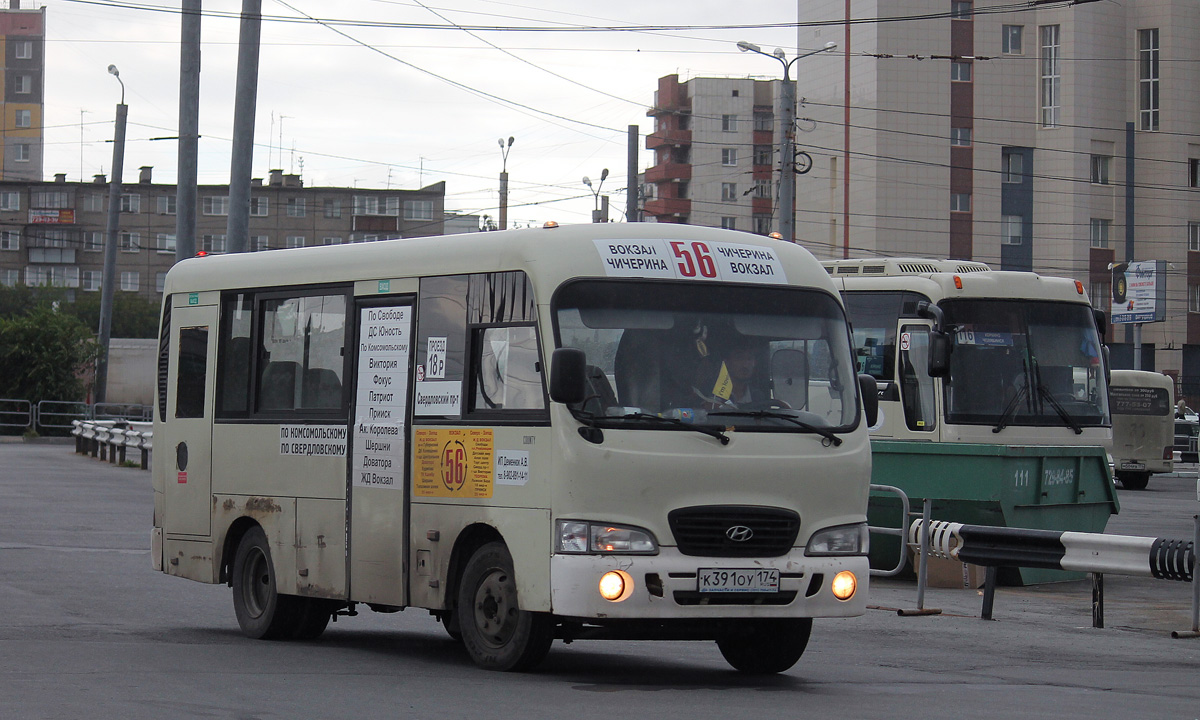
59 414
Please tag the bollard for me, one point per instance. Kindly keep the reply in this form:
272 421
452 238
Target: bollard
922 566
1195 631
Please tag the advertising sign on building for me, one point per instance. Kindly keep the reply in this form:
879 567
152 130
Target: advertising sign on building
1139 292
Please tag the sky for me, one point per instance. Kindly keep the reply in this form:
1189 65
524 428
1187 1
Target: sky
399 93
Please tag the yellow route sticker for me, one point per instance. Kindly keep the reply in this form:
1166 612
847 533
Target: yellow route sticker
454 462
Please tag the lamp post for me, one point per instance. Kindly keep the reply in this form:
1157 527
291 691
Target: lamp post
598 216
787 153
108 277
504 149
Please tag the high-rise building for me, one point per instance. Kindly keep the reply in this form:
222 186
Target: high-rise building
23 34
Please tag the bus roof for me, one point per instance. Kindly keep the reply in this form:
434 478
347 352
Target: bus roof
548 255
1141 378
975 283
876 267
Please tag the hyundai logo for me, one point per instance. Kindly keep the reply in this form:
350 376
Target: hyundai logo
739 533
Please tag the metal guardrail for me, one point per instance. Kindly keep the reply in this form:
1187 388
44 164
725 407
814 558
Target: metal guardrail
110 439
897 531
15 413
58 414
61 414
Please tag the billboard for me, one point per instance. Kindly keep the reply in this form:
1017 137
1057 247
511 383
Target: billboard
1139 292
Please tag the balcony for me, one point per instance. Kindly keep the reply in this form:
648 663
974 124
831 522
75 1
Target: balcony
668 207
668 172
674 138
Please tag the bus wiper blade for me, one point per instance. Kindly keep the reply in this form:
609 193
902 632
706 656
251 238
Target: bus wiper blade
1011 408
711 432
1062 411
827 434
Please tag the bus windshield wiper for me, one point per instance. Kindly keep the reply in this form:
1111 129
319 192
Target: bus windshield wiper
827 434
710 431
1011 408
1054 403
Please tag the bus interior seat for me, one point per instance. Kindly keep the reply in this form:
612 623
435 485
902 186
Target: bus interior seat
789 377
277 387
638 366
322 389
237 373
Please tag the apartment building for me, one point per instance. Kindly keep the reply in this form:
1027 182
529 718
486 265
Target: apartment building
52 233
22 46
715 163
1059 139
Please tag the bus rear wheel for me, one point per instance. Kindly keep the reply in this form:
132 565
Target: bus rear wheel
499 635
261 611
764 647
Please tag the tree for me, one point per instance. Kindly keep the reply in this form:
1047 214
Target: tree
132 316
44 355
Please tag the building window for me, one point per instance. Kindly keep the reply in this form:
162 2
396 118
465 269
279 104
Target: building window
1101 166
160 282
1194 236
960 71
1193 298
259 242
762 188
764 154
363 237
960 137
258 206
764 121
762 224
131 203
216 205
1099 232
960 10
50 199
1010 229
129 281
10 278
376 205
23 84
23 50
213 243
1010 40
91 280
1099 294
729 123
729 223
1148 79
1051 76
10 201
729 192
295 207
93 202
130 242
24 118
1012 167
729 156
21 152
333 207
295 241
165 243
93 241
331 241
1193 172
166 204
10 240
418 209
960 202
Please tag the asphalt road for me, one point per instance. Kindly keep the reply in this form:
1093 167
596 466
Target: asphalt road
88 630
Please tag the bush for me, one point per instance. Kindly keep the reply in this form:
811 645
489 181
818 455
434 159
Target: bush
44 355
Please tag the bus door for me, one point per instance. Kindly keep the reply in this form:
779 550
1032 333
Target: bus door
192 354
918 398
378 485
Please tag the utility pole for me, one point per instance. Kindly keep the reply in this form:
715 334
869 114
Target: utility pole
189 130
504 149
633 213
238 225
108 277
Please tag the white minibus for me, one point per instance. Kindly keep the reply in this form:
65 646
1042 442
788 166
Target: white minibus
634 431
1143 426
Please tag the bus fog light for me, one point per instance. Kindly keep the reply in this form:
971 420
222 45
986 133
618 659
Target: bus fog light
616 585
844 585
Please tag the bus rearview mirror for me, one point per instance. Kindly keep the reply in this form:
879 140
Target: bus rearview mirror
940 348
869 389
568 368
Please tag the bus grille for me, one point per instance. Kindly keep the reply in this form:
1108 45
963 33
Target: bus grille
706 530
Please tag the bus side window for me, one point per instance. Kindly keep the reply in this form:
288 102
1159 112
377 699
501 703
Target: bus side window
193 372
916 387
234 378
508 369
301 358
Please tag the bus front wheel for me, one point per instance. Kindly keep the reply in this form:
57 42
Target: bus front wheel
1133 480
496 632
261 611
763 647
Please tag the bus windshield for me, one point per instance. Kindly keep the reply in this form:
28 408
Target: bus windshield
1025 363
761 358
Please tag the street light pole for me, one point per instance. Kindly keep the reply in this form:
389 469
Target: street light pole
504 149
108 277
787 152
598 216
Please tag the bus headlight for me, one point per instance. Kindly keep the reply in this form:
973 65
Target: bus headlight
839 540
616 585
582 537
